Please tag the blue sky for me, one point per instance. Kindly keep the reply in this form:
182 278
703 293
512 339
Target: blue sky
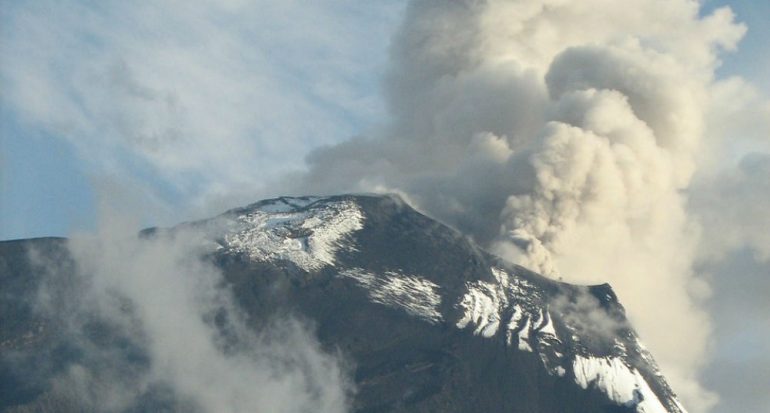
44 189
752 60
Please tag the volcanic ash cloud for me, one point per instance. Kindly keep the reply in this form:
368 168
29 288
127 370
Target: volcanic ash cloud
562 138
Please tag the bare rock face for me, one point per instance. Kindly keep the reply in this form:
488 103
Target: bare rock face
428 321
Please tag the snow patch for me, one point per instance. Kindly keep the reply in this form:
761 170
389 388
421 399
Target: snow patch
513 324
622 384
482 304
546 328
282 230
524 337
415 295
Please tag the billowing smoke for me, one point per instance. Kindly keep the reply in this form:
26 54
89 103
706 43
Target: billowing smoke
560 134
159 329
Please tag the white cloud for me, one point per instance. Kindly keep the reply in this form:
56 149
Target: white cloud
207 96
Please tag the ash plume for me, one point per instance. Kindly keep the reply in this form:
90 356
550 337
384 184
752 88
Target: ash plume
561 138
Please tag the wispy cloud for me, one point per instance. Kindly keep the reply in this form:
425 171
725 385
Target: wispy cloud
159 327
207 96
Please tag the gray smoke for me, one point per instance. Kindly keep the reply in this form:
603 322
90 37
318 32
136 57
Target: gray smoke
561 138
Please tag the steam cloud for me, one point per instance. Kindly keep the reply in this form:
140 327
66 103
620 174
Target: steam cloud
171 333
561 138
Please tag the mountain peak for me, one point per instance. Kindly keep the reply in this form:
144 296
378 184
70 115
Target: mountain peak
408 262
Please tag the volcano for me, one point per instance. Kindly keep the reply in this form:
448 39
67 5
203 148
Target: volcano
429 321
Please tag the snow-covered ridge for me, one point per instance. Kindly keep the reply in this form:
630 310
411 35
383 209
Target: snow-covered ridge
513 307
514 304
528 325
310 232
623 384
303 231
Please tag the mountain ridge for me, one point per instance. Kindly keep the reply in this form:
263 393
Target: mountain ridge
376 253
